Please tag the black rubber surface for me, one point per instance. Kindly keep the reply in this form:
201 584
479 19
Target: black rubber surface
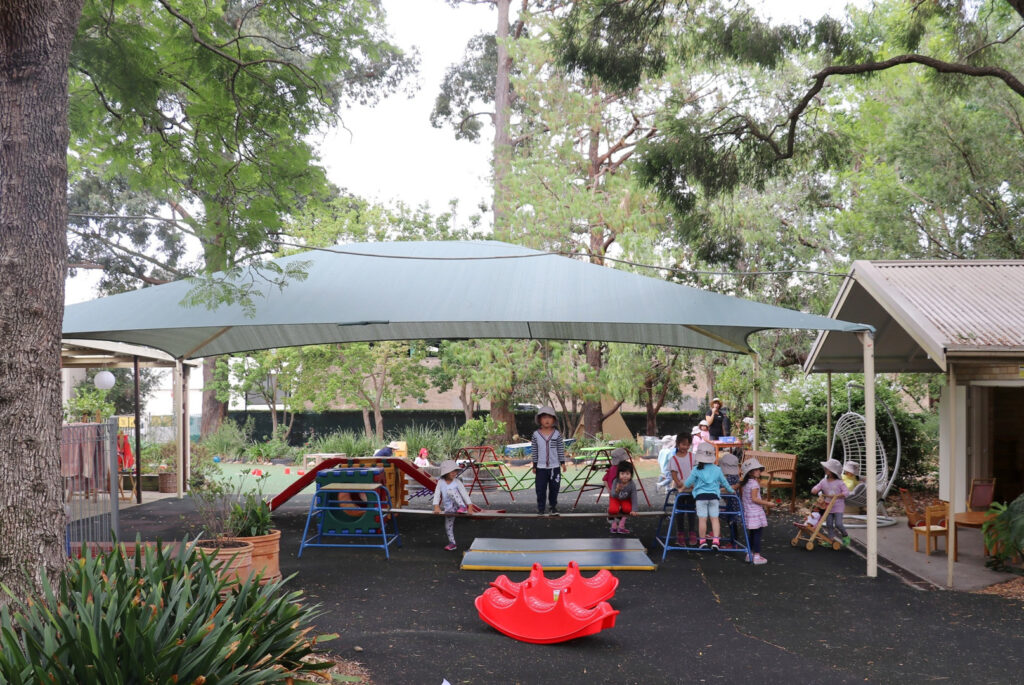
805 617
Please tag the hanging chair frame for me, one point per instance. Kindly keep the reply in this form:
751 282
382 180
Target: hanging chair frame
851 435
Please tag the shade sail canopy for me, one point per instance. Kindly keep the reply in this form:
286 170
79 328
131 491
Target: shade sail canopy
438 290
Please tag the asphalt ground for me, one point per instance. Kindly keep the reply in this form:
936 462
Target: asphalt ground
805 617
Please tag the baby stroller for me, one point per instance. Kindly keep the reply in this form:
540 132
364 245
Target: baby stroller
814 535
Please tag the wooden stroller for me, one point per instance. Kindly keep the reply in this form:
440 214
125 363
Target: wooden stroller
814 535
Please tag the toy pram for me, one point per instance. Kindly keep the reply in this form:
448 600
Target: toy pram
813 535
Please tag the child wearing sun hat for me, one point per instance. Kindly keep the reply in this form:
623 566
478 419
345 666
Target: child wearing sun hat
832 485
707 481
450 498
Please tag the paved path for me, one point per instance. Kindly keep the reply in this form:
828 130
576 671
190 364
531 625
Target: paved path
806 617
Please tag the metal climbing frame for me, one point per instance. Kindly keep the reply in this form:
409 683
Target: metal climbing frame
348 513
678 503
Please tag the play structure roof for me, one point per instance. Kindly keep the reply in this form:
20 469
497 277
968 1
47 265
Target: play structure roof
438 290
927 313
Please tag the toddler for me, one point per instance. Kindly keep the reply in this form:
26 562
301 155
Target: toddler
753 508
450 497
832 484
851 475
421 459
707 481
547 449
622 498
680 467
730 465
668 444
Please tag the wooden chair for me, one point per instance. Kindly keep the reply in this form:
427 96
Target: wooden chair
779 473
935 526
981 494
915 515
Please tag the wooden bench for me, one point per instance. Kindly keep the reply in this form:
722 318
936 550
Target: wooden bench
779 472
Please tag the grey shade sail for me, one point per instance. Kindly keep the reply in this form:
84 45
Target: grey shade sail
439 290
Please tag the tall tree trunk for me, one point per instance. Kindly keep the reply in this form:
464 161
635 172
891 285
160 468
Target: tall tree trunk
378 420
35 41
502 132
214 411
466 398
593 415
501 410
367 428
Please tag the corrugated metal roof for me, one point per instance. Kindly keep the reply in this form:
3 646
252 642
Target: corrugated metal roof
926 311
973 305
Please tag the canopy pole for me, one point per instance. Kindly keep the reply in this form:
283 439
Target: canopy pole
179 447
138 434
868 341
186 453
951 517
828 414
757 400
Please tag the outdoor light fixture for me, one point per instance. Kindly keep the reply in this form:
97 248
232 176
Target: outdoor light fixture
104 380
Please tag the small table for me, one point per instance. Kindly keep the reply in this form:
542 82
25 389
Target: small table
968 519
725 445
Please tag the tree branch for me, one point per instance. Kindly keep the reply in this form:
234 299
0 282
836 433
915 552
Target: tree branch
822 76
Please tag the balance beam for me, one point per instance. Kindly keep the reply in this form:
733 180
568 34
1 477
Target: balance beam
507 515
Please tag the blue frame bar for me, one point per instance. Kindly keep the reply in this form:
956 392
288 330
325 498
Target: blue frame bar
668 542
378 502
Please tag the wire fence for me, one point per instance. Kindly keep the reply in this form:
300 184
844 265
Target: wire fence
89 467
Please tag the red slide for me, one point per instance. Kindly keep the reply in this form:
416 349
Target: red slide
302 481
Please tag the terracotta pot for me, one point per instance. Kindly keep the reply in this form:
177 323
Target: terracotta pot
234 555
168 482
265 555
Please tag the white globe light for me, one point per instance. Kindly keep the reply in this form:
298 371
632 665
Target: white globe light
104 380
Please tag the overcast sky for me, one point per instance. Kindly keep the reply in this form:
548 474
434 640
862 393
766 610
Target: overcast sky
391 152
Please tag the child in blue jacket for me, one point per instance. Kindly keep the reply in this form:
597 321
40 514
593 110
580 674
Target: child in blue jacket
707 481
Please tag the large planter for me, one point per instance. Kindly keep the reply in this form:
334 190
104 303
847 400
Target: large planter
266 553
234 556
168 482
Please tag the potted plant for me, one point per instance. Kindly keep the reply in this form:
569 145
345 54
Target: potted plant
250 520
1003 531
213 500
236 520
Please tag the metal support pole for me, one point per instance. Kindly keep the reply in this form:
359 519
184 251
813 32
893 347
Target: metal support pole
138 434
950 521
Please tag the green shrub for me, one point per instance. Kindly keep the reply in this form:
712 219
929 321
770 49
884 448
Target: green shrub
228 441
1004 533
347 442
482 431
275 448
440 442
797 426
157 617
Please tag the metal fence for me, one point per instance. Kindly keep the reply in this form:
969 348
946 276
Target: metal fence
88 456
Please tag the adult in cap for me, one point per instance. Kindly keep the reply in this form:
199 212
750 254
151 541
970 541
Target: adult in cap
718 420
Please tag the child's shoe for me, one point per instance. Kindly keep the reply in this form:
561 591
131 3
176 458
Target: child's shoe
450 547
682 540
623 530
553 511
749 558
759 560
461 510
715 544
846 541
693 539
703 544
